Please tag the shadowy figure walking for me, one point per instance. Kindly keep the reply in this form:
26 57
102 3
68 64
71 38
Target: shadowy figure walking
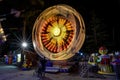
39 69
43 63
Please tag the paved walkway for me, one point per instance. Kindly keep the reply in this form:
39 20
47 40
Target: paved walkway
28 75
8 72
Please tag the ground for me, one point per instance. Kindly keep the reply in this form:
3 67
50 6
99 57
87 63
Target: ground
12 72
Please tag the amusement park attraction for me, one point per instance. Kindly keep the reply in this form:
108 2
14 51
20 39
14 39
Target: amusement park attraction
58 32
105 67
103 61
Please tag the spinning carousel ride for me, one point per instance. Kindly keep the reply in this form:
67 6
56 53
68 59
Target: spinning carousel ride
58 32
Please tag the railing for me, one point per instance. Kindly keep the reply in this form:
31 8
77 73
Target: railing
84 68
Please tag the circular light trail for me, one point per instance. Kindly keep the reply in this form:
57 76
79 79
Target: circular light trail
58 32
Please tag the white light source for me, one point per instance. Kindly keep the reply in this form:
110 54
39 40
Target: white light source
24 44
18 57
56 31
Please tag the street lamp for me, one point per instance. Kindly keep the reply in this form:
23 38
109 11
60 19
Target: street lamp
24 45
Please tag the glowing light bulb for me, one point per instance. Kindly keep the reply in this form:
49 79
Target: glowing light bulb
24 45
56 31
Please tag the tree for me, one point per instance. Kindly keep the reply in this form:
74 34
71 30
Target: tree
96 34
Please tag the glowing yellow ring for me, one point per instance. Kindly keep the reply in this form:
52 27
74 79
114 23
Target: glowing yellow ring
58 32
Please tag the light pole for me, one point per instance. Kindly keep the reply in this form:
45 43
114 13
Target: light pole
23 44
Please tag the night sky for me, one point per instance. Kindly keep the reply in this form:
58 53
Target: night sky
108 10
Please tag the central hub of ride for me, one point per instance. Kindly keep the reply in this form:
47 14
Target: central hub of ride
56 31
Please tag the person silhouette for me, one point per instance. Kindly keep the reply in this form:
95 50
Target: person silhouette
43 63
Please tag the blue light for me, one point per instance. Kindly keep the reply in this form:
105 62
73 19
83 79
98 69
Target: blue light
81 54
